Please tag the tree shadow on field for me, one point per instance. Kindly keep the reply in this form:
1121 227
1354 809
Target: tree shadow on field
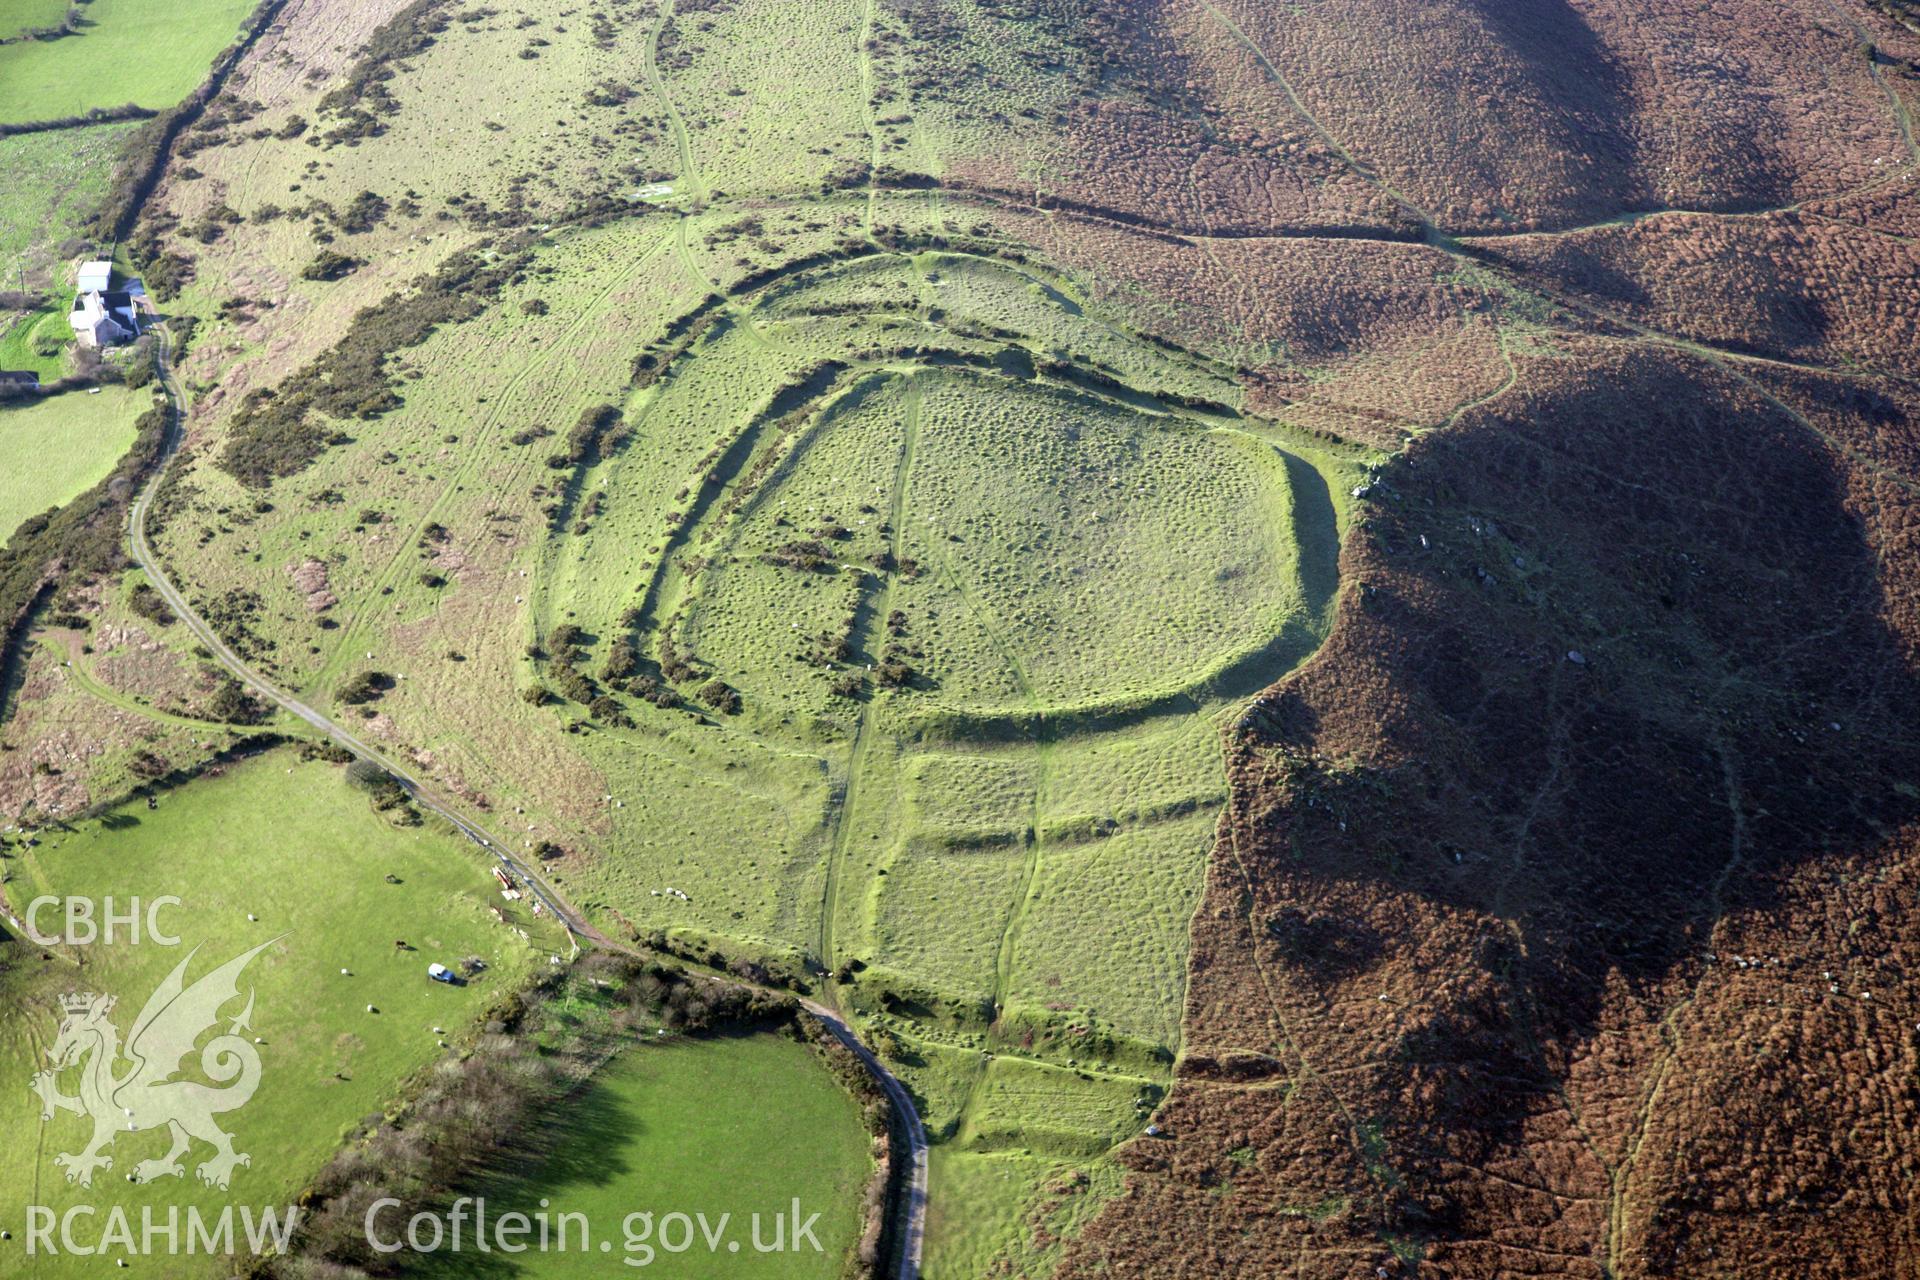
575 1146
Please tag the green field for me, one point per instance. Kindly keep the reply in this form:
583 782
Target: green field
20 350
29 15
293 845
53 181
736 1126
136 51
74 439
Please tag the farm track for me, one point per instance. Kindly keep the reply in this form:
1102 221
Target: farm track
867 109
1022 897
1902 115
743 316
1729 360
1453 243
1307 1071
1446 241
1358 166
141 550
373 620
1023 892
667 584
863 731
576 925
682 140
913 1210
667 595
1902 118
540 592
1620 1176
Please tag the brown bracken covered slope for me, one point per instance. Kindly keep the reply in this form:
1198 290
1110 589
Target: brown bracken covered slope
1563 921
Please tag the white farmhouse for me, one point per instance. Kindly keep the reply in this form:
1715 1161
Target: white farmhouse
104 318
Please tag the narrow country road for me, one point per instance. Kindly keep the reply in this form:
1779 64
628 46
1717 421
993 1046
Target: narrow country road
913 1211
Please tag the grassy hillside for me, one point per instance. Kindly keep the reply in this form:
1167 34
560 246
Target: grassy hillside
21 342
839 479
985 566
53 181
983 622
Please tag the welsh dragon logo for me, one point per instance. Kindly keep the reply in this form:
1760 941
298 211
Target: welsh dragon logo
145 1095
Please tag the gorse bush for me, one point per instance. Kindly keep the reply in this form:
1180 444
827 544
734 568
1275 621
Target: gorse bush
362 101
329 264
365 687
144 156
277 431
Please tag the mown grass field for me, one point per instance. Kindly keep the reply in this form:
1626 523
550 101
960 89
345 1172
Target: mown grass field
294 845
73 439
132 51
733 1126
29 15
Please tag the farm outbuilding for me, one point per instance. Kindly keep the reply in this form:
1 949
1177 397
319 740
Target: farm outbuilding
94 277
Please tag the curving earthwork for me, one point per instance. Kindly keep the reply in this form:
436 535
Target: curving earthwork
963 615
